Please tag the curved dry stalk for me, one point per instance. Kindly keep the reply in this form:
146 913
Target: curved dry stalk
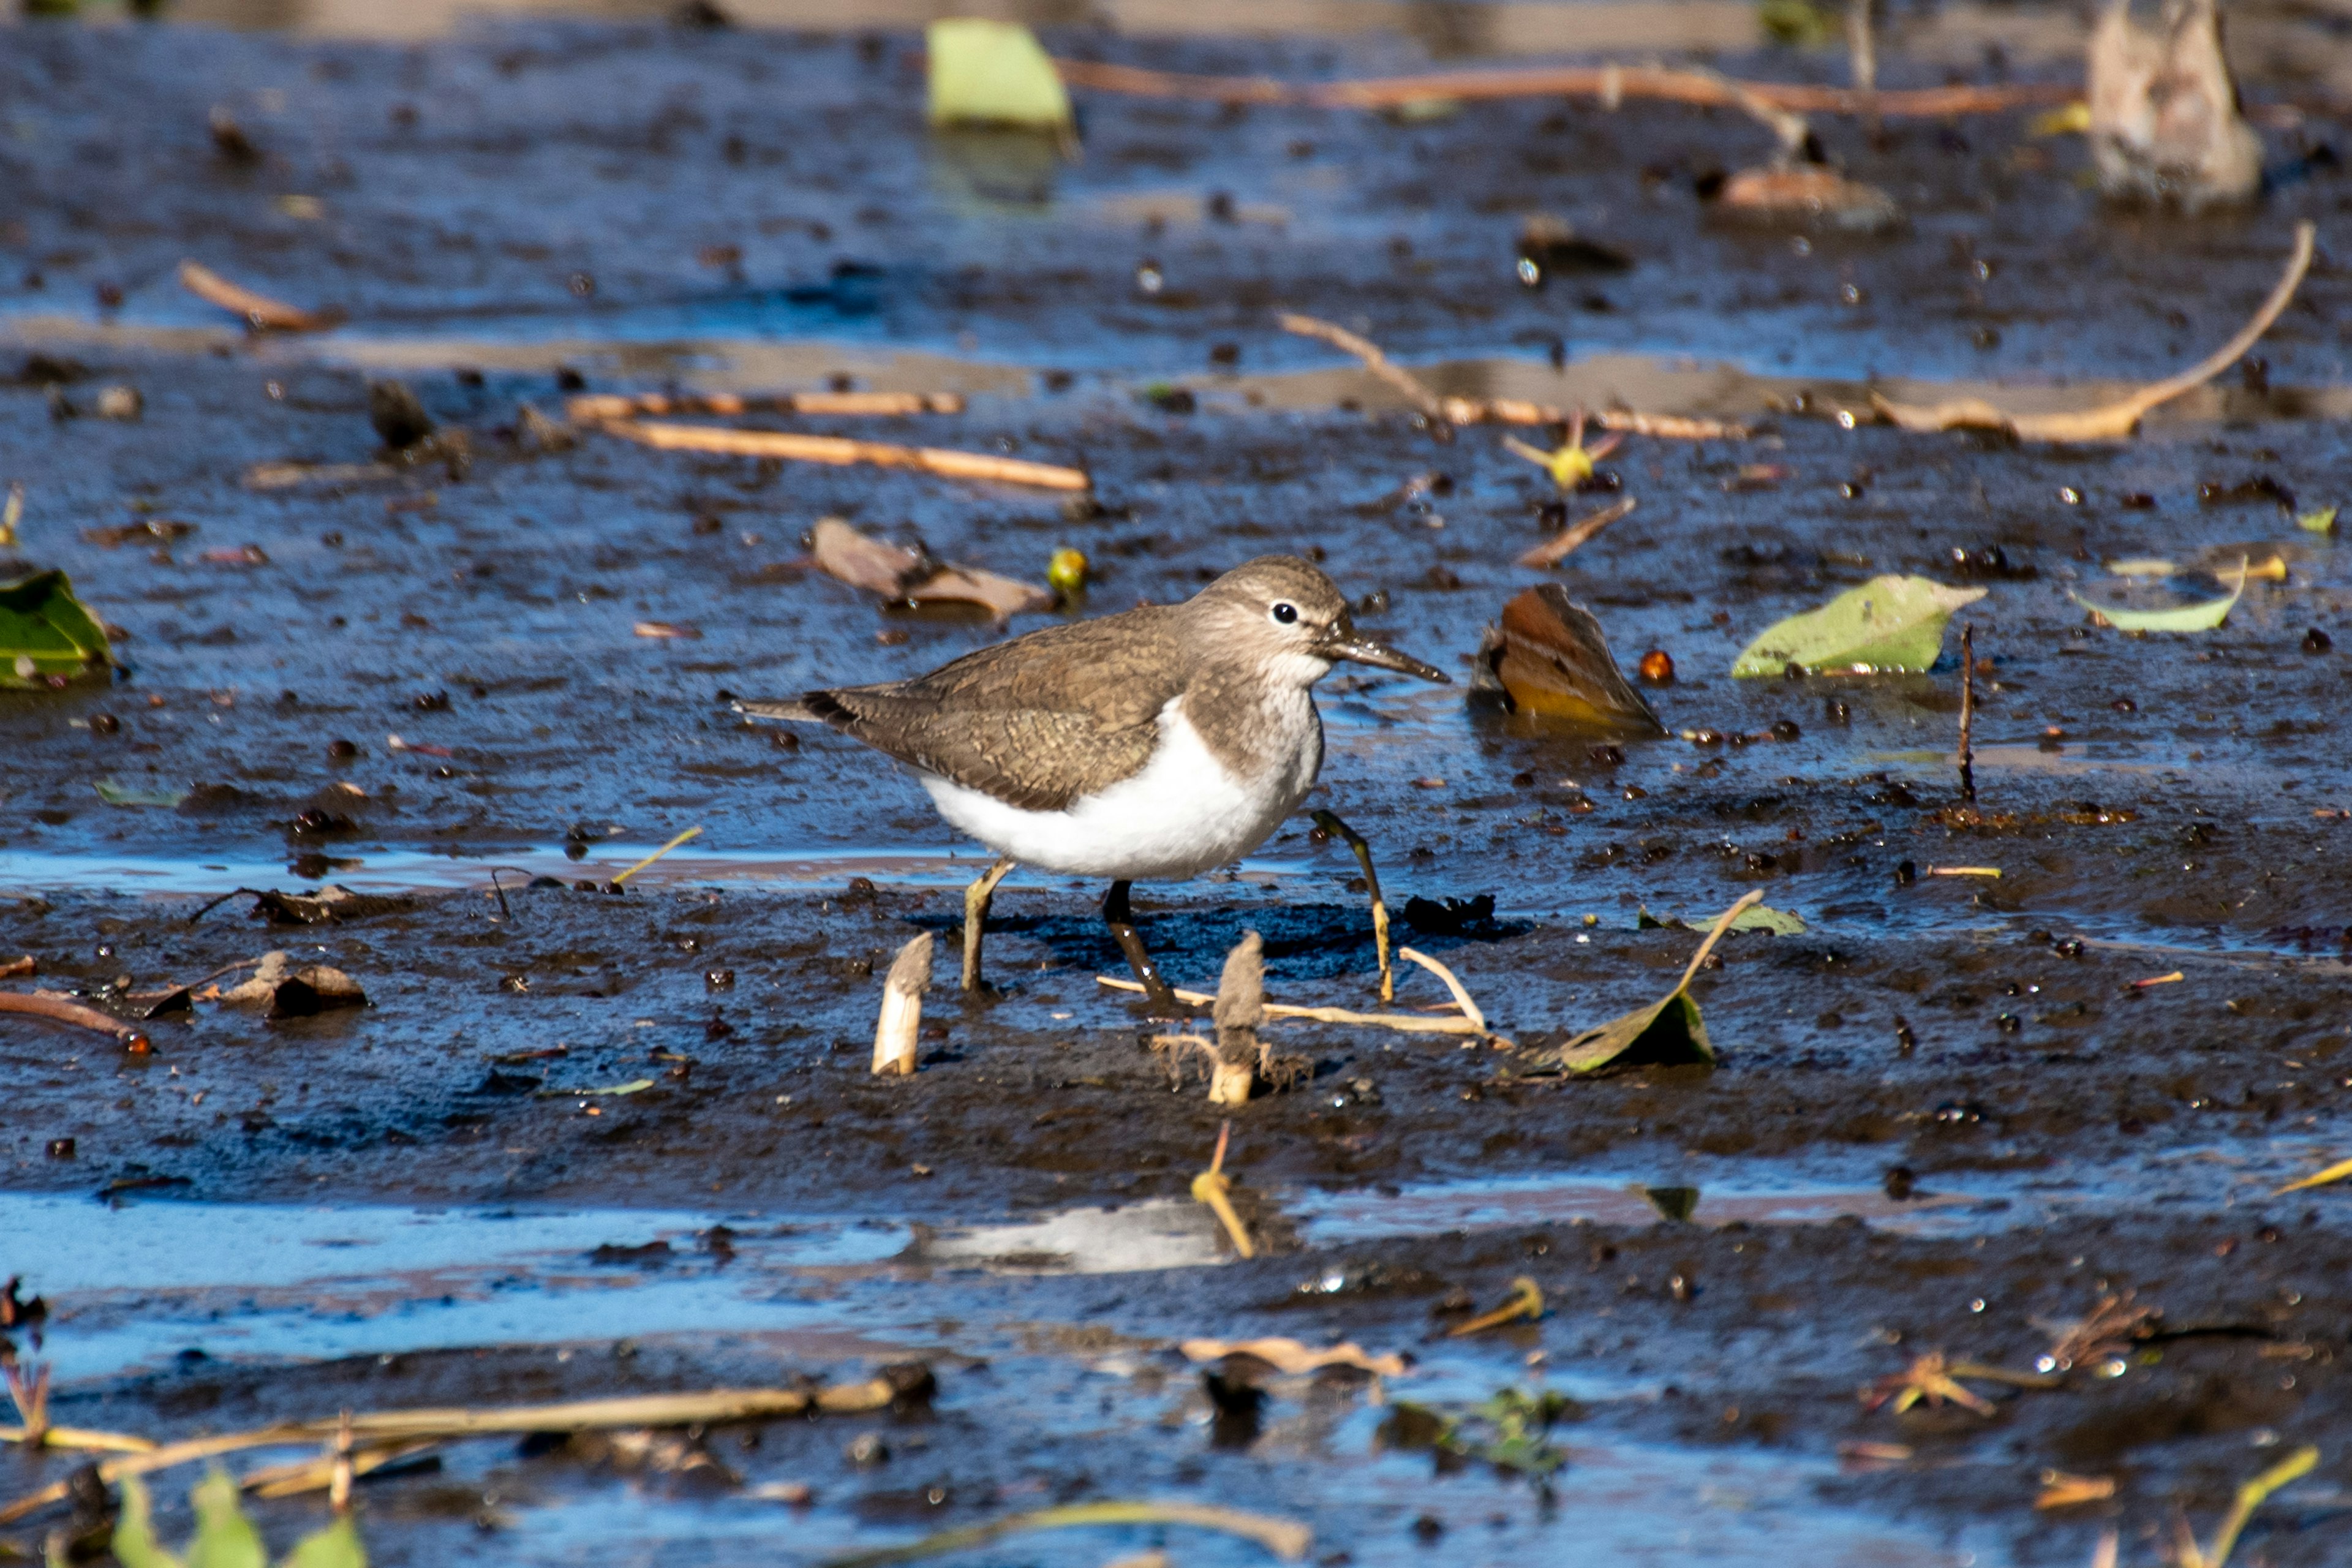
1279 1536
1722 925
657 855
1402 1022
1608 83
2113 421
1461 993
260 313
78 1437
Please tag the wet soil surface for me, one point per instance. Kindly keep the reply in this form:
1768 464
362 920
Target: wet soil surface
1945 1116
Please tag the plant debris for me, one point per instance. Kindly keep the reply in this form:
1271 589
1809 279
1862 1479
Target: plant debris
259 312
1668 1030
840 450
1549 657
2197 617
915 576
46 637
1889 624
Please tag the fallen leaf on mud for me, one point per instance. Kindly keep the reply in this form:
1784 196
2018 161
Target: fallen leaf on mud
915 576
635 1086
2198 617
261 313
1550 656
2336 1173
45 630
292 993
2321 521
149 531
1809 193
993 73
665 629
1667 1031
1889 624
1762 917
1526 1301
333 902
115 793
1290 1356
2114 421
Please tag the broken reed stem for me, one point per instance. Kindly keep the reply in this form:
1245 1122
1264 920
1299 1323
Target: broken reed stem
1722 923
1241 1007
1609 83
450 1422
657 855
1968 713
901 1023
591 406
1861 55
1328 821
840 450
1553 550
1285 1539
74 1013
2250 1496
78 1437
261 312
1501 410
1526 1301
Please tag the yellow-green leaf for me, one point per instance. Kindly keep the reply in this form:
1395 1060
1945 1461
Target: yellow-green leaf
2198 617
45 630
1889 624
2320 521
336 1546
1666 1032
135 1545
993 73
225 1537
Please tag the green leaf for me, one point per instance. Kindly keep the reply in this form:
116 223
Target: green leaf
115 793
993 73
45 630
134 1530
1675 1204
225 1537
1889 624
1666 1032
336 1546
1760 917
2321 521
2199 617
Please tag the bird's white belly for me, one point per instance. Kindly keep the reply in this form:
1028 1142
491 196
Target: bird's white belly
1181 814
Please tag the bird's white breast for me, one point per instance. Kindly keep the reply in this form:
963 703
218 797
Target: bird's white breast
1183 813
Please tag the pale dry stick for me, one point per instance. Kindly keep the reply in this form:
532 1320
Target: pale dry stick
2336 1173
311 1475
1328 821
594 405
1967 701
1722 925
1552 551
78 1437
1992 871
1399 1022
901 1023
1374 361
1286 1540
1610 83
1861 53
2112 421
261 313
1461 992
841 451
12 514
451 1423
62 1011
657 855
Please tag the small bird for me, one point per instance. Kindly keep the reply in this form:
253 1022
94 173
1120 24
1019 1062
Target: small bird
1154 744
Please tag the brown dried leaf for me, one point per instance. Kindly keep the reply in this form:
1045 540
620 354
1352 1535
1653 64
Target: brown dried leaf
1809 193
1550 656
1290 1356
842 552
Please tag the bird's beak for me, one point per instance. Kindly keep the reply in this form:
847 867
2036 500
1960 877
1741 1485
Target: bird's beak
1358 649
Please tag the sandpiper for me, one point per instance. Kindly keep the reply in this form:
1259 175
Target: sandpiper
1155 744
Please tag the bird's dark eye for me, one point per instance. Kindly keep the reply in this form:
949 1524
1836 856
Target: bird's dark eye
1286 614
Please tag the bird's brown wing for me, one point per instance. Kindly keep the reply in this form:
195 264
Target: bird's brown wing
1036 722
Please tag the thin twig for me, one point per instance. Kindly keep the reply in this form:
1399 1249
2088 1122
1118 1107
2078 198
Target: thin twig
261 313
1461 994
1552 551
1280 1536
594 405
1398 1021
657 855
1606 82
839 450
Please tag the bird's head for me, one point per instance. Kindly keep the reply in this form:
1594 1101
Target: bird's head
1282 612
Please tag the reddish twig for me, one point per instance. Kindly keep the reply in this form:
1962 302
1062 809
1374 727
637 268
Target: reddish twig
62 1011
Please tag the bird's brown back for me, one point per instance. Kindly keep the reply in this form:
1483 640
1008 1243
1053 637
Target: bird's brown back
1037 722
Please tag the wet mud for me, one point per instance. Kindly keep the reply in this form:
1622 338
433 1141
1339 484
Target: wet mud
581 1142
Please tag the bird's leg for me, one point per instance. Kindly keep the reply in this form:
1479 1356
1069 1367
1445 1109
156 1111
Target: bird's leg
1157 995
975 919
1330 823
